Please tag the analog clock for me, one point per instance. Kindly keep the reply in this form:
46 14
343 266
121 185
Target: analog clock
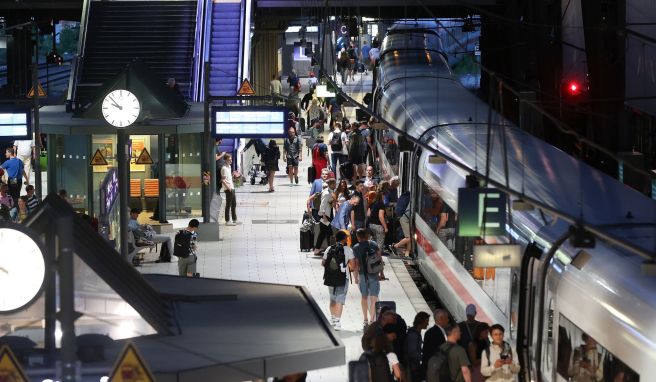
121 108
22 268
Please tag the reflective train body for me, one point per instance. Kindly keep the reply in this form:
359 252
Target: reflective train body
598 293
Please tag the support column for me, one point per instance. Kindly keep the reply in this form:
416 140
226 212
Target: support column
50 291
162 179
66 298
123 189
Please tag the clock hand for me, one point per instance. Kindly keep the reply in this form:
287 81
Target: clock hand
4 270
115 103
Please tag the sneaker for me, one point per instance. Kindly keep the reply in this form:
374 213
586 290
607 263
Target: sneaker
365 324
337 325
236 222
230 223
332 320
392 250
296 179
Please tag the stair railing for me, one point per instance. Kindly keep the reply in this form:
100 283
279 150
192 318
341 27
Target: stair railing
79 57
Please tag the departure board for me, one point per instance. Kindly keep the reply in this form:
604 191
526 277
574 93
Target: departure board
249 122
15 125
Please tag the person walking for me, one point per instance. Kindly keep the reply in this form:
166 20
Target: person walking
24 150
293 154
369 283
275 86
319 157
229 187
15 173
337 261
338 141
271 158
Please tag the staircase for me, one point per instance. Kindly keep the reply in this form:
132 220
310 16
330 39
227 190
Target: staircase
161 33
225 49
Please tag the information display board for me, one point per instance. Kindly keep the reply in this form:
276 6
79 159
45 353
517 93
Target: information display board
16 125
249 122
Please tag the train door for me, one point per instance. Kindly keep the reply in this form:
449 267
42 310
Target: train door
414 194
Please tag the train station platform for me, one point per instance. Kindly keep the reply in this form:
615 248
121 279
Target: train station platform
265 248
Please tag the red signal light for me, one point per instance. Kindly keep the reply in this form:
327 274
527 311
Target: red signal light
573 87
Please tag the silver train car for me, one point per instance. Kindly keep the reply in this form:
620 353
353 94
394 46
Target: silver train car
597 297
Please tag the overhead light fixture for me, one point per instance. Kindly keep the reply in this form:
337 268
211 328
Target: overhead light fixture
521 205
322 91
436 159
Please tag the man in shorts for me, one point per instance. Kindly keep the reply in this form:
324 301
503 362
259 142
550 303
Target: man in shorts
338 294
293 154
369 283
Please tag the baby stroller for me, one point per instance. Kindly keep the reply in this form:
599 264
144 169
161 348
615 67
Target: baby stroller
257 169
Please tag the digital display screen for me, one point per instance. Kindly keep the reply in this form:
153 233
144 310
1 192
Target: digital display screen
15 125
108 192
249 122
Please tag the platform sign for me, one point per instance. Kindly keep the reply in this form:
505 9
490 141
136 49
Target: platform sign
16 125
249 121
481 212
10 369
42 93
130 367
246 88
144 157
98 159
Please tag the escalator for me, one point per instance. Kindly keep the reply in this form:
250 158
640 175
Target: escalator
225 48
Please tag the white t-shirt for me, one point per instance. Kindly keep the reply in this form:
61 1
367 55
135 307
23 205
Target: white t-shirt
226 173
24 148
344 142
392 359
348 256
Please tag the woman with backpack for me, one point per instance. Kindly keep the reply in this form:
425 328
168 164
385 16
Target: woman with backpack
384 364
271 158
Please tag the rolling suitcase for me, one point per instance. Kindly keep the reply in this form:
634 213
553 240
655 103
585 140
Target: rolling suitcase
380 304
306 240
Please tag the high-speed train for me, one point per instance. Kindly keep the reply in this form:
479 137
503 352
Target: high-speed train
597 297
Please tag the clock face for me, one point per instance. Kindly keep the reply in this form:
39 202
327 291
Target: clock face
22 269
121 108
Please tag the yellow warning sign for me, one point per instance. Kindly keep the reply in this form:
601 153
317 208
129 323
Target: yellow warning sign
98 159
42 93
10 369
246 88
130 367
144 157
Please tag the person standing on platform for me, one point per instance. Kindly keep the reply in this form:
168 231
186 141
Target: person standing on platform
293 154
359 212
364 56
341 220
271 158
435 336
25 152
32 200
412 347
275 86
15 173
456 359
468 327
319 157
501 363
229 187
337 261
325 215
185 249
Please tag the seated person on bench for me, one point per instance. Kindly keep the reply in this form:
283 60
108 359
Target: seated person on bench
143 233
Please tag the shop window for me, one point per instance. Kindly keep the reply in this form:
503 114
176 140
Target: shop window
581 358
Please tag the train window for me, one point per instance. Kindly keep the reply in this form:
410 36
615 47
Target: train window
581 358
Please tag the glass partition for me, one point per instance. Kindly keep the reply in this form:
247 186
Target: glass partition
183 176
72 163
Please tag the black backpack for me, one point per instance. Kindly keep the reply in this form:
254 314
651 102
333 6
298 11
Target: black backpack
379 370
438 366
182 244
336 142
335 261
